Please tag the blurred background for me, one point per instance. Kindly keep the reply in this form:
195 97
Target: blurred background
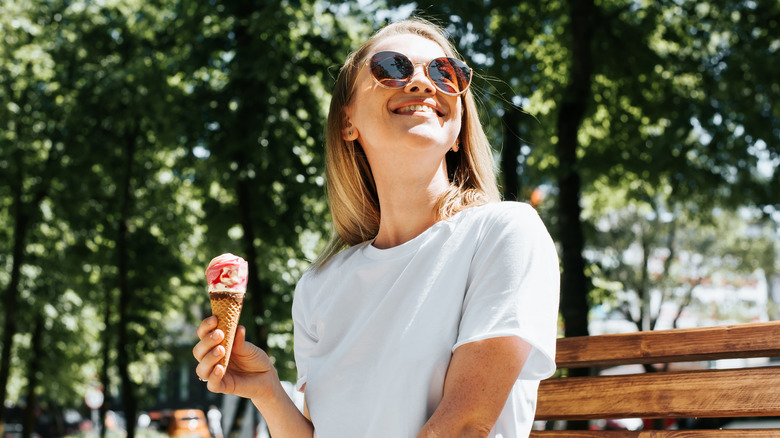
141 138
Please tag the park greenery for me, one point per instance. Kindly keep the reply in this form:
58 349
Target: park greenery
140 138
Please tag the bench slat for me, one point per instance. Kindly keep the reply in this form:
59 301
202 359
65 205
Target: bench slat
721 433
676 345
710 393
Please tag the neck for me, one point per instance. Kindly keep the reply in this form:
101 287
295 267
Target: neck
407 201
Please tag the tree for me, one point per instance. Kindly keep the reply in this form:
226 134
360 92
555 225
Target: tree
124 107
150 120
30 151
98 161
652 257
142 138
258 82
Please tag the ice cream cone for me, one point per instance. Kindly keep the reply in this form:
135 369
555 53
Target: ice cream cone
226 306
227 278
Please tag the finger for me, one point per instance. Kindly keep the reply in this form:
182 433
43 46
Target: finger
205 368
206 326
207 344
215 383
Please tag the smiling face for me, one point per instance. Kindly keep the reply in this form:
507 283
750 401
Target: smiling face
415 124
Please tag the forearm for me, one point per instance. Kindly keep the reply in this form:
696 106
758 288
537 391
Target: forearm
478 381
455 422
453 430
283 417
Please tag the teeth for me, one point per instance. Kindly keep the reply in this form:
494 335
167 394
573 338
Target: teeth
423 108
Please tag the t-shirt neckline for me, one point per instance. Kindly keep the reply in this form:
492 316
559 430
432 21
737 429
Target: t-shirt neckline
372 252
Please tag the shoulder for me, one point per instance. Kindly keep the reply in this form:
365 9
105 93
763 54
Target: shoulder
506 214
512 227
511 209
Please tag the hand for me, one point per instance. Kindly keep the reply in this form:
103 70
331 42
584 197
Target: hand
250 372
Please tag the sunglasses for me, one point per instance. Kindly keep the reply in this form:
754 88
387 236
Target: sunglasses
394 70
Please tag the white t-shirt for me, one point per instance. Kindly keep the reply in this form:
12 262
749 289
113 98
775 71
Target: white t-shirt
375 329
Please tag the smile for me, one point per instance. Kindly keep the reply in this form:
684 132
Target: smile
415 109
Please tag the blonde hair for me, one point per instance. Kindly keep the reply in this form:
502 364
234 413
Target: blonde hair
351 190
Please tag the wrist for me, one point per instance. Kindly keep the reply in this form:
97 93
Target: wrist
269 392
284 418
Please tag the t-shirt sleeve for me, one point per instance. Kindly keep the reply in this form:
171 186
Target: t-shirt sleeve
513 287
304 334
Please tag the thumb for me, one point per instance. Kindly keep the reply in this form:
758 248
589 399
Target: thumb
239 342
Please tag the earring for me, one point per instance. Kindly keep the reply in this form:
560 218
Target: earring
349 133
455 147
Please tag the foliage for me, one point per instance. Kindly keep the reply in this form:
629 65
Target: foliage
256 86
678 113
141 138
655 255
133 130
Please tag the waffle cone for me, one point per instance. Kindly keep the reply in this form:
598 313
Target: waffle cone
226 306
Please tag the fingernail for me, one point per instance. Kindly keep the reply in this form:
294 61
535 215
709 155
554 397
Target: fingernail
216 334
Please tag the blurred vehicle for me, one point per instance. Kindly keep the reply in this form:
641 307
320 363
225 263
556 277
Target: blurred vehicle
14 427
13 430
16 430
189 423
180 423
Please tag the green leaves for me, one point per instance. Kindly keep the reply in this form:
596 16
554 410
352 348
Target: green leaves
678 116
160 133
258 88
223 106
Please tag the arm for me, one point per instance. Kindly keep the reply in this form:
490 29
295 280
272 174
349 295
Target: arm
283 417
479 378
250 375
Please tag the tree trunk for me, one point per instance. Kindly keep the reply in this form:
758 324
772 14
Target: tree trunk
259 293
646 320
11 298
33 369
774 307
770 275
240 133
25 214
10 301
123 356
509 154
106 361
574 284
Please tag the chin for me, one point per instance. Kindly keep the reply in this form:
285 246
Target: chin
433 129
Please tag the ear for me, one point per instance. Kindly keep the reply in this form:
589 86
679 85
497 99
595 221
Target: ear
348 132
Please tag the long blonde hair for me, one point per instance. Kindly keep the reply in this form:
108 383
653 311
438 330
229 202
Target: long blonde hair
352 196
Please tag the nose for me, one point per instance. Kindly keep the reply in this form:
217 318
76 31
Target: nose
420 82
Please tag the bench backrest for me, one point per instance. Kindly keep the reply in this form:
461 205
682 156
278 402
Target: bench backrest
746 391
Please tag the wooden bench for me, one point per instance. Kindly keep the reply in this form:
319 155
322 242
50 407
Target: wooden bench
746 391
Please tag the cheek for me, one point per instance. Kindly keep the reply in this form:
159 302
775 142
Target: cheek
362 111
458 120
363 120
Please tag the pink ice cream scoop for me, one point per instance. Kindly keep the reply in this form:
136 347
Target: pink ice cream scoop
227 273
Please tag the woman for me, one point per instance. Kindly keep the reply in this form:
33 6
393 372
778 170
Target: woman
435 318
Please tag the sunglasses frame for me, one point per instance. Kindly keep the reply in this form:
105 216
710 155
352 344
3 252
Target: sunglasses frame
426 69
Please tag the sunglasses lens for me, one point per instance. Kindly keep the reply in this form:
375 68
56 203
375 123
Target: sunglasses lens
450 75
391 69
